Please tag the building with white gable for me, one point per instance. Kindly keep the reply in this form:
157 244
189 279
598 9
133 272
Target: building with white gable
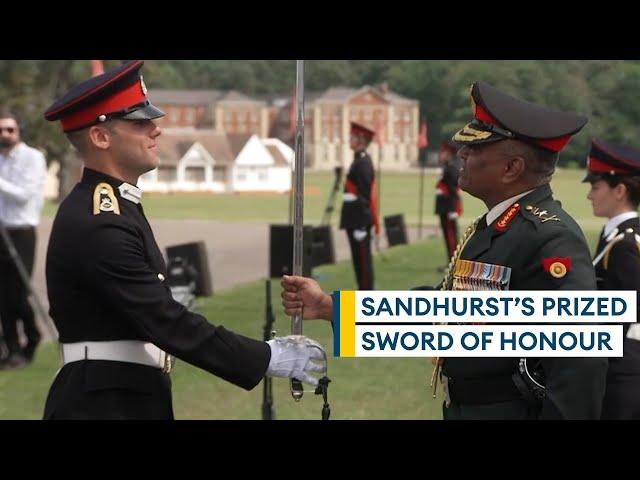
198 160
262 165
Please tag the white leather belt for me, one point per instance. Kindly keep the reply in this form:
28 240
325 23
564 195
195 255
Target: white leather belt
349 197
132 351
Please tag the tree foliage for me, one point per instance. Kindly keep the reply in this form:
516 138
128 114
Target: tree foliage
606 91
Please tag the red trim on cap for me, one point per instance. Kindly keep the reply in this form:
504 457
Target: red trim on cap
128 97
553 144
613 154
482 115
100 86
356 130
598 166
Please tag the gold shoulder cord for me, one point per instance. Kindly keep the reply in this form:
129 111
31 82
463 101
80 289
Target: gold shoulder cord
447 283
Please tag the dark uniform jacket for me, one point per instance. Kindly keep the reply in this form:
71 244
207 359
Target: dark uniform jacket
620 270
359 213
448 198
105 280
574 386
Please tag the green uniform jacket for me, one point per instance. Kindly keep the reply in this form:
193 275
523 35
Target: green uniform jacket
574 386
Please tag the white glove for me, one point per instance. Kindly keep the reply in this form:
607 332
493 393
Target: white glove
291 357
359 235
453 215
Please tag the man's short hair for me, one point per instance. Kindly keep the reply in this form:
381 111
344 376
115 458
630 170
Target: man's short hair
6 113
80 138
538 161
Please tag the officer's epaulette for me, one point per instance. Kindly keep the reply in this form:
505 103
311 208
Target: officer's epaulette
104 199
539 215
628 235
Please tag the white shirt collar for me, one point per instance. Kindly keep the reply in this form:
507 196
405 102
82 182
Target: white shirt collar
130 192
617 220
499 209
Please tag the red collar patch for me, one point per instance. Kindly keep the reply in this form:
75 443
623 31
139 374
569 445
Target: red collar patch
509 215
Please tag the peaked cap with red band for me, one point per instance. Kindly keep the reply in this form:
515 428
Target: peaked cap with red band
611 160
357 129
498 116
117 93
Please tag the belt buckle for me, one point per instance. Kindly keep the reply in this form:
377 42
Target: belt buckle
167 364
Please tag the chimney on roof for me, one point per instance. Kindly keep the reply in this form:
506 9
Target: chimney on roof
384 88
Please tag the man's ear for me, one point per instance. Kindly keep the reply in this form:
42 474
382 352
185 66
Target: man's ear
514 169
100 137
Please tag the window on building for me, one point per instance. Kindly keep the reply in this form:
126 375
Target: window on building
263 174
190 116
174 116
194 174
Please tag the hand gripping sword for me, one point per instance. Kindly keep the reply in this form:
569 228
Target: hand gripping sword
298 198
298 223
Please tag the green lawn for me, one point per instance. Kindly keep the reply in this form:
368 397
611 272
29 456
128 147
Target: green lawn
373 388
376 388
399 194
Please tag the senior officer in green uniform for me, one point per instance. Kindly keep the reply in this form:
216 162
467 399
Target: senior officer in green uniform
119 325
614 173
508 155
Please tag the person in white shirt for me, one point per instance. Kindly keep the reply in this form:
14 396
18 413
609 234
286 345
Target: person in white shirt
614 173
22 175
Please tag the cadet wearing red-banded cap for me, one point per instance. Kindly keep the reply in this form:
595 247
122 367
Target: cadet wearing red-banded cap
614 173
606 160
119 93
360 206
119 325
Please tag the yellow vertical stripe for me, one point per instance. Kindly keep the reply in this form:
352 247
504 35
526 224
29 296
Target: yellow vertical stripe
348 323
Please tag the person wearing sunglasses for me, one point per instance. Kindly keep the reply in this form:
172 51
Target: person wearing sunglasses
22 176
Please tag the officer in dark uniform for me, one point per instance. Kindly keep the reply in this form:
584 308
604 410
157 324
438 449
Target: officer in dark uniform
119 325
448 203
359 208
614 173
508 155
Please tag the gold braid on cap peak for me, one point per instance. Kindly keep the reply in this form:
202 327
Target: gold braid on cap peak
468 134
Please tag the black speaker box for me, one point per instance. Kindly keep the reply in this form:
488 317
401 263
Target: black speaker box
396 231
281 250
196 255
322 246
